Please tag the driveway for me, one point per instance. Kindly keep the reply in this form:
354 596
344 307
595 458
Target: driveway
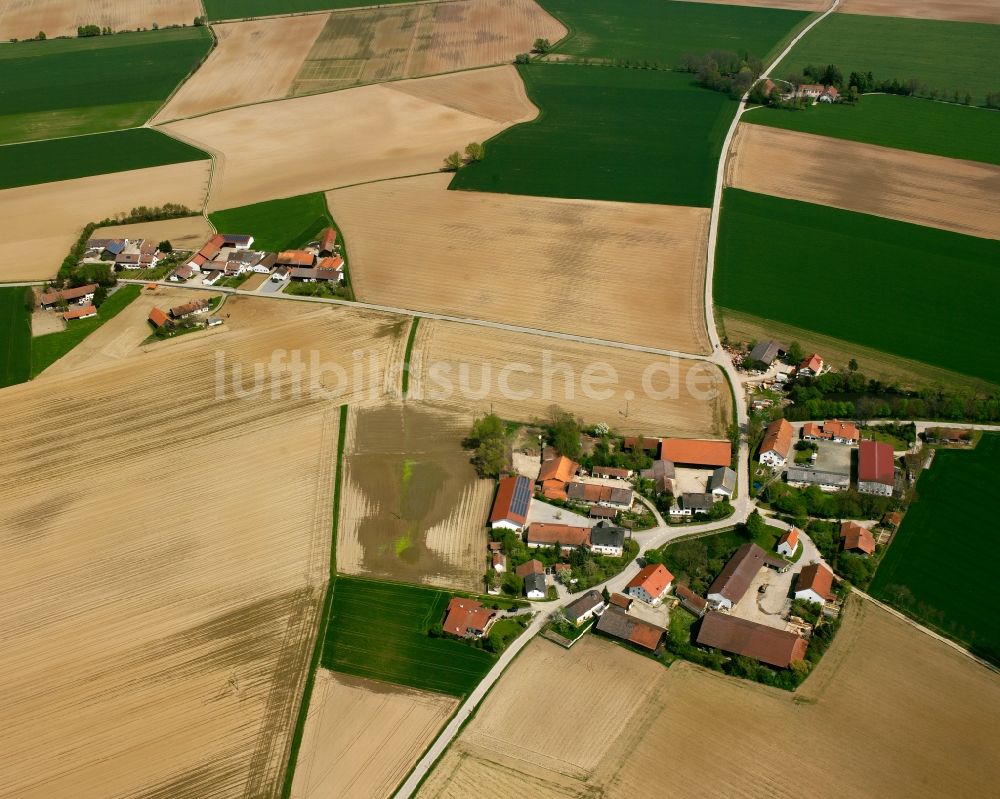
550 514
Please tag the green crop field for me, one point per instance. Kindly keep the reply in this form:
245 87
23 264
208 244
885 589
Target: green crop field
860 278
379 630
240 9
47 349
277 224
67 87
907 123
941 55
84 156
660 31
606 133
15 336
939 569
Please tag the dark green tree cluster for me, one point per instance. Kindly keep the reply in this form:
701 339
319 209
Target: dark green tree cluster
801 503
488 438
564 431
723 70
84 31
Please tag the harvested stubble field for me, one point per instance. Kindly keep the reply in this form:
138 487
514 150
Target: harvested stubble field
928 190
158 631
363 736
42 222
252 62
352 136
960 10
888 696
372 45
413 508
475 254
23 19
444 349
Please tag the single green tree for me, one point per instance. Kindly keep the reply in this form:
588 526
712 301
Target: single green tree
853 365
453 162
795 353
541 46
165 246
41 36
474 151
100 295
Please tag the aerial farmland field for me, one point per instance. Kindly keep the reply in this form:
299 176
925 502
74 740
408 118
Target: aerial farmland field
378 630
23 19
887 268
15 335
510 241
82 156
945 592
413 508
651 30
879 677
240 9
960 10
907 186
947 56
906 123
602 118
277 224
74 86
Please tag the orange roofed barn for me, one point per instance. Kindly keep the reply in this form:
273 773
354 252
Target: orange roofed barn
467 618
555 474
696 451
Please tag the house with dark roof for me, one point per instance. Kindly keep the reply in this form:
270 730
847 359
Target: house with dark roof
611 472
584 607
815 584
662 475
766 353
723 482
534 586
599 494
510 508
600 512
735 578
827 480
857 538
876 468
467 618
189 309
750 639
651 584
618 624
690 503
698 605
607 539
621 601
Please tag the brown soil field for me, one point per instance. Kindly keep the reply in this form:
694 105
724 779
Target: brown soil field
123 335
442 348
960 10
363 736
530 261
42 222
22 19
160 615
374 45
352 136
252 62
413 508
879 365
912 187
254 282
186 233
895 712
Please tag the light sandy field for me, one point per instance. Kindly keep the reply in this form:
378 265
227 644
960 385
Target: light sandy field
186 233
23 19
372 45
413 508
879 716
292 147
459 367
362 736
961 10
164 555
122 335
253 61
571 266
40 223
912 187
879 365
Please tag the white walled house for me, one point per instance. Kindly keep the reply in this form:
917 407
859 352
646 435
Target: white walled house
815 584
651 584
789 542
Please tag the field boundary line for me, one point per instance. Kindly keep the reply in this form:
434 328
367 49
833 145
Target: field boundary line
925 630
288 14
73 136
186 78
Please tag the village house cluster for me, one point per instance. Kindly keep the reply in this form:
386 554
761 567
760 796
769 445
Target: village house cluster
124 253
79 301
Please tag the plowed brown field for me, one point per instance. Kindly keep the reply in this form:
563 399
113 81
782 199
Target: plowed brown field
252 62
372 45
960 10
316 143
22 19
886 699
362 736
911 187
460 367
572 266
41 222
164 556
413 508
